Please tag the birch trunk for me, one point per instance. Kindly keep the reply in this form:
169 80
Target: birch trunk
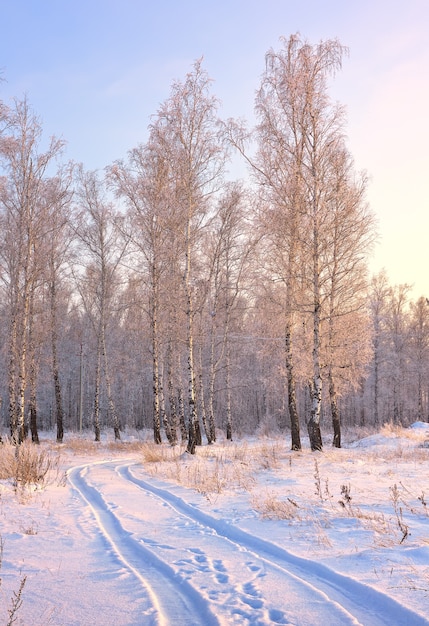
212 377
162 412
111 404
13 417
96 416
194 437
181 408
155 377
202 402
194 434
293 411
22 371
55 368
336 423
155 354
32 405
171 397
313 425
155 387
228 389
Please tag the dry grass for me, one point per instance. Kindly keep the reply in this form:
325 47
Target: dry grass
270 454
210 471
29 465
415 435
217 475
81 446
159 453
271 507
125 446
211 477
231 466
205 478
320 525
399 453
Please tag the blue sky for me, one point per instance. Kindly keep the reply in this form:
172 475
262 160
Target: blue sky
96 70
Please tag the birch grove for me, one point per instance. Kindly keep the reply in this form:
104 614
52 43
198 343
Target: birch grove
24 227
162 294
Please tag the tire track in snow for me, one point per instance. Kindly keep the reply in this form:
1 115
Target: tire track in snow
360 603
300 600
173 599
237 596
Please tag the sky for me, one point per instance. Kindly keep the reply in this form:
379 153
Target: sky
96 70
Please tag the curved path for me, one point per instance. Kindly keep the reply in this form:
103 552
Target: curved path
199 570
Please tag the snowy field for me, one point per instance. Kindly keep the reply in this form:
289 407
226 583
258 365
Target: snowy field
243 533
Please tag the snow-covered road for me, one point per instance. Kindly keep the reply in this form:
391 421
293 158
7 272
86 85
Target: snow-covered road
194 568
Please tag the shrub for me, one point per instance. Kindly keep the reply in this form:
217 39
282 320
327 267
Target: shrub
28 464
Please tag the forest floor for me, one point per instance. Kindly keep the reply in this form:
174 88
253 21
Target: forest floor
244 532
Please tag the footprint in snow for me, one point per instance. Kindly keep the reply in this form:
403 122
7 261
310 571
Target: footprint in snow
221 575
254 567
278 617
252 596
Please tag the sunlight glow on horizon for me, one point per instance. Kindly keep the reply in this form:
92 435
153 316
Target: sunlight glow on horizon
96 72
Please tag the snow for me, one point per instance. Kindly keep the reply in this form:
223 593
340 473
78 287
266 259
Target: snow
245 533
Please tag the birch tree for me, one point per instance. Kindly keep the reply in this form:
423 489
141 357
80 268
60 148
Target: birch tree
23 230
102 250
397 325
229 249
319 125
314 143
145 184
276 169
350 228
419 353
186 127
378 292
58 242
300 140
